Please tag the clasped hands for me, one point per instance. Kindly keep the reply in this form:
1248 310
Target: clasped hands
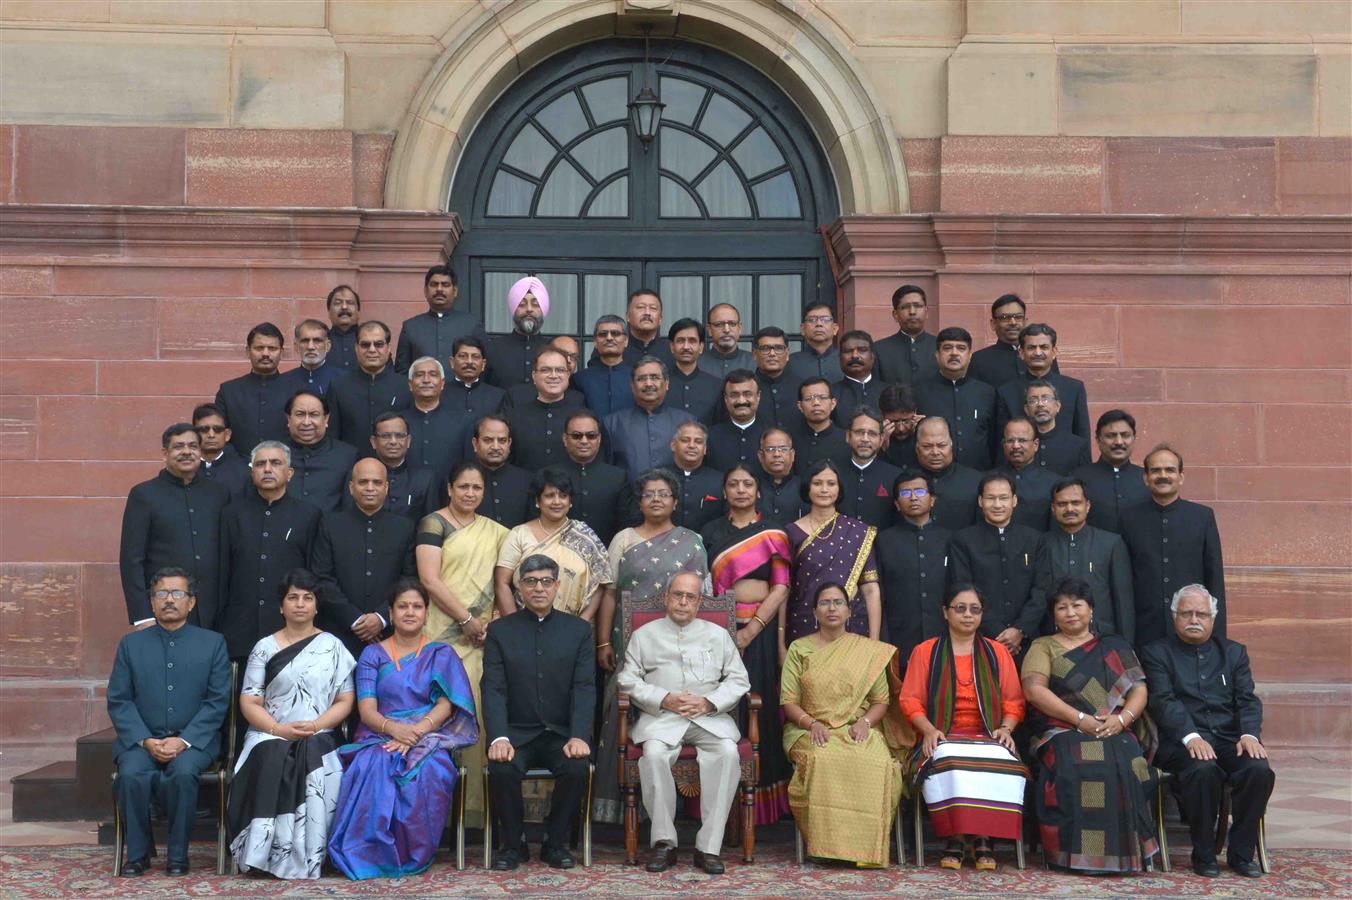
294 731
403 735
687 704
163 750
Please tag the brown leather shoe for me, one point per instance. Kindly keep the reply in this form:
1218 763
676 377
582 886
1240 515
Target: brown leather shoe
711 863
663 857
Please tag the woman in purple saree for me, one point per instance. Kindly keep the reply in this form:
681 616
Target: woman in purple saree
416 708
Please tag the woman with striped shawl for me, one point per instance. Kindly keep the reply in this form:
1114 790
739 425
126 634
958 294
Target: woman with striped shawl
962 696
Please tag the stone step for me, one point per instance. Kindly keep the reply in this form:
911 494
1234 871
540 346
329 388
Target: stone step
48 794
94 771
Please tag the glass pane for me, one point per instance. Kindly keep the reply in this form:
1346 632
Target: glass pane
529 151
562 287
723 194
757 154
612 201
564 192
734 289
683 154
777 198
682 295
563 118
496 286
606 294
608 100
677 202
723 120
603 153
781 302
682 99
510 195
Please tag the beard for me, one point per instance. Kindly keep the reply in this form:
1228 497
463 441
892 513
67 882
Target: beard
528 325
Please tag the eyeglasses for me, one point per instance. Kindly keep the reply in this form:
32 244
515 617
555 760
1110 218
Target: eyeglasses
773 348
907 493
963 609
1201 615
1010 317
816 398
1040 401
211 429
584 435
1018 441
552 370
610 333
728 325
655 495
654 378
531 581
777 449
683 596
373 345
819 320
828 602
392 435
165 595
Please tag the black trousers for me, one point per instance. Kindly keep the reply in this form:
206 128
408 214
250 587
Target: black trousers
1201 784
174 784
545 751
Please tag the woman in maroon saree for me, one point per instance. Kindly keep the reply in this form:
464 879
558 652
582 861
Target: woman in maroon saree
830 547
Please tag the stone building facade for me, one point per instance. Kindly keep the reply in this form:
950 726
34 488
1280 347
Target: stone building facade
1168 182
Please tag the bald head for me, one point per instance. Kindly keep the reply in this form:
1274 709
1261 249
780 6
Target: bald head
933 444
369 485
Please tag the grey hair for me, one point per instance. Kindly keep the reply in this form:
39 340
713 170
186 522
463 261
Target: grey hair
441 370
270 445
1198 589
672 580
538 562
653 361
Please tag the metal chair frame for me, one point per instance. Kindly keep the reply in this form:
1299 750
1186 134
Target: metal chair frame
584 815
1222 827
918 801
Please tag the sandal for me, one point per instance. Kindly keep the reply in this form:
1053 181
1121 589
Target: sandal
952 856
985 857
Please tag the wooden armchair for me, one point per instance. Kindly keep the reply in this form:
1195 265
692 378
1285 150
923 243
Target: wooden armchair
685 771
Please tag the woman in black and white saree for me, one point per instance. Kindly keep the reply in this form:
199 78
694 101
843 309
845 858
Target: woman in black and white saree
297 689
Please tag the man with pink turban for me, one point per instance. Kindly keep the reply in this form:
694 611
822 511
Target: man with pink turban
511 355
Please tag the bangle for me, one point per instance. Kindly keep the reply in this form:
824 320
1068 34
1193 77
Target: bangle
428 720
384 721
466 620
1121 721
272 732
756 616
1128 712
600 646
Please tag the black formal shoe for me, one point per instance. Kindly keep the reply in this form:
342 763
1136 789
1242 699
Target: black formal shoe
135 868
711 863
1249 869
176 868
1206 869
507 860
663 857
557 857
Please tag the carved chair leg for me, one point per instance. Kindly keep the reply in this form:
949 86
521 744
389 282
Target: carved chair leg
631 824
749 823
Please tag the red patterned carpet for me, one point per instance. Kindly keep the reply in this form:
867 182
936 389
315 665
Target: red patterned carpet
85 871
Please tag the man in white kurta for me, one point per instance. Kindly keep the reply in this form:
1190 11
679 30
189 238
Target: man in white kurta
684 674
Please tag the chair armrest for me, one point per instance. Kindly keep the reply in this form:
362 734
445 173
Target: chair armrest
753 708
622 739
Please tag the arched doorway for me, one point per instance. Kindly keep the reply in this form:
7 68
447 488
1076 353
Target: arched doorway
723 206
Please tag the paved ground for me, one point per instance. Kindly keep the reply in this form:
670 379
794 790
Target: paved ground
1310 809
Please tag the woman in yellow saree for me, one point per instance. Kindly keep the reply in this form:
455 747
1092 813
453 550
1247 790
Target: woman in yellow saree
456 551
835 695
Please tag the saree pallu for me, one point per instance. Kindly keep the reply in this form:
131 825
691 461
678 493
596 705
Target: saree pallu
581 556
468 556
642 568
1093 797
839 551
393 805
843 794
757 551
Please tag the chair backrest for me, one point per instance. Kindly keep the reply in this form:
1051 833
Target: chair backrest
232 717
719 610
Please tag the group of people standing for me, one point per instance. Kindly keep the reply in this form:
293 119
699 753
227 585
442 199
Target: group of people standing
443 570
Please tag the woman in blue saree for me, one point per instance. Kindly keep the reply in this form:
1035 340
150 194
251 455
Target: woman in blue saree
416 708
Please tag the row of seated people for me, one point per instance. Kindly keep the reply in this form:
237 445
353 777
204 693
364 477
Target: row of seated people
376 806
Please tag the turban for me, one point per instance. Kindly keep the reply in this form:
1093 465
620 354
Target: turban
528 285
